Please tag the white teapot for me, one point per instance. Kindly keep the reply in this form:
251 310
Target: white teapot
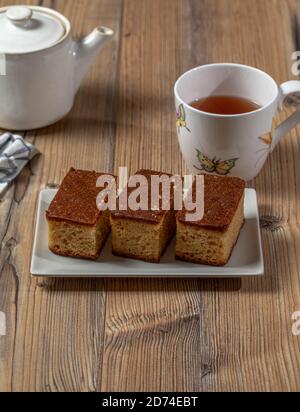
41 67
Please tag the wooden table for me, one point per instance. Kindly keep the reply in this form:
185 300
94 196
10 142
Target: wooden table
166 335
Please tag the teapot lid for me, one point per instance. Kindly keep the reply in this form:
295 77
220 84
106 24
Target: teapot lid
26 29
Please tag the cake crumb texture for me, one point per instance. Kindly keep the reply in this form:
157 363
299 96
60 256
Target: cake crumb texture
75 225
141 240
76 240
206 246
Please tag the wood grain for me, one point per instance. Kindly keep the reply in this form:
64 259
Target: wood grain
55 328
214 337
126 335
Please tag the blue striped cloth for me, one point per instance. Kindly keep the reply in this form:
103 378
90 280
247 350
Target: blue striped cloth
15 153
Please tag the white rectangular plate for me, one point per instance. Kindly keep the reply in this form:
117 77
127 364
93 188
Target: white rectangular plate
246 259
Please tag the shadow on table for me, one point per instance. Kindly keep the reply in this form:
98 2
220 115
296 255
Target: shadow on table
97 109
140 285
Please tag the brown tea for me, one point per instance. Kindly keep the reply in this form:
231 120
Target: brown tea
225 105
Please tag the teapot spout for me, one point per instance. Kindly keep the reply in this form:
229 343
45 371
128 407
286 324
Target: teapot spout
86 50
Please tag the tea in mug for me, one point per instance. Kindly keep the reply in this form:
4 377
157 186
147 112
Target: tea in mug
226 105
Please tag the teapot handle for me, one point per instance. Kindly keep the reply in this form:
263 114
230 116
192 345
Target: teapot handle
287 89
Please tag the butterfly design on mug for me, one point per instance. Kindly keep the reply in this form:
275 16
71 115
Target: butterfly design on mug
181 118
221 167
267 140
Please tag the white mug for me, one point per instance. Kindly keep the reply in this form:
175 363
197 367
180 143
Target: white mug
233 145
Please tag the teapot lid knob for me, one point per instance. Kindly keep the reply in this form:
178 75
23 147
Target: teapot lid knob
19 15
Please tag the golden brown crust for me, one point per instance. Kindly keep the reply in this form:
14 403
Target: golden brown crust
132 256
201 262
75 200
221 199
57 251
149 216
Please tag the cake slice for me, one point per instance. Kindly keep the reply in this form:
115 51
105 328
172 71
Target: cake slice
211 240
143 234
76 227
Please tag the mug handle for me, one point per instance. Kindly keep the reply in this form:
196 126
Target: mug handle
286 89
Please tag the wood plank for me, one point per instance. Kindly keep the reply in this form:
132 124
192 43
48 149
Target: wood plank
204 335
251 348
159 334
55 328
9 279
155 330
